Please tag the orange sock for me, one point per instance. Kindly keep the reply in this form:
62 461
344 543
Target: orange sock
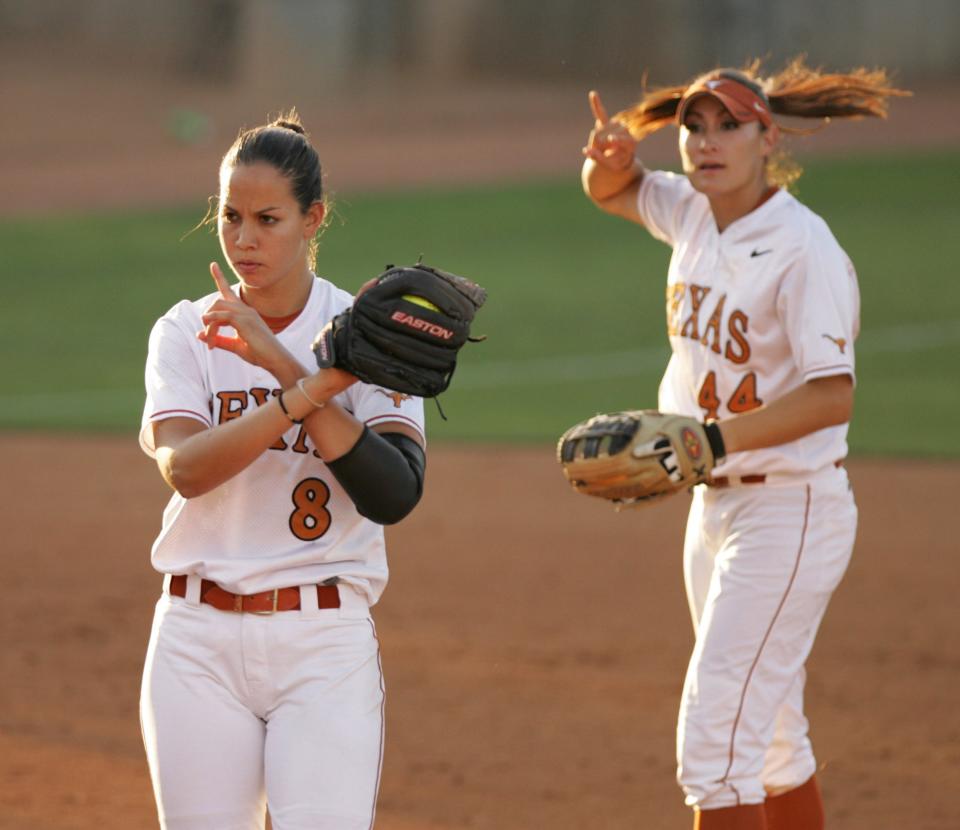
797 809
742 817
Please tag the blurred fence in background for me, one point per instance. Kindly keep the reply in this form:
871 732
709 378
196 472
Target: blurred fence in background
112 103
377 41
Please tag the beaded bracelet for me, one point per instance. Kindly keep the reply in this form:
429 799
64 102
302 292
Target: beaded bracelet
300 386
287 411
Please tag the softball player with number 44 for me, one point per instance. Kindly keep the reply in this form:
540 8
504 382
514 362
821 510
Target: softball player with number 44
762 310
262 682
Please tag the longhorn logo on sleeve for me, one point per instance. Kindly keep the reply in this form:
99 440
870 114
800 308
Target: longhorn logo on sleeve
397 397
421 325
840 341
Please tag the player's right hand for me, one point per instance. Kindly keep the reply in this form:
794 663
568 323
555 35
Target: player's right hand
254 342
610 143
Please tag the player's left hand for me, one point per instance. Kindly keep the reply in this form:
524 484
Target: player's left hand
254 342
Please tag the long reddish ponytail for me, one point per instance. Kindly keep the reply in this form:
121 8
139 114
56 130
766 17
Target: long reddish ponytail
797 90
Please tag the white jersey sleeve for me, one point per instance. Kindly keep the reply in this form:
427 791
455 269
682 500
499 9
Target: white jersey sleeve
819 306
175 377
375 406
664 202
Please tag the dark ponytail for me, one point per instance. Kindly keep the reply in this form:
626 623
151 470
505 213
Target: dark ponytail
282 143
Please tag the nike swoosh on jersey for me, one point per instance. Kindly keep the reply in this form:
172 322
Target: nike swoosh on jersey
755 252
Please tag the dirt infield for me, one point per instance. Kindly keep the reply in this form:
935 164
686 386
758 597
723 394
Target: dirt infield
534 645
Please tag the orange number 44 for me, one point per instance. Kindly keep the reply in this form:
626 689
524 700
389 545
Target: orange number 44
743 399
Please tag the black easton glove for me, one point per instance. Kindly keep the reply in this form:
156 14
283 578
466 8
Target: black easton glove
404 331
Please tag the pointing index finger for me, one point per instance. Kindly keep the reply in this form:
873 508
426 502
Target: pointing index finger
597 108
221 281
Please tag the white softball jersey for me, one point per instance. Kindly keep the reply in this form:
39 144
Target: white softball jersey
284 520
752 313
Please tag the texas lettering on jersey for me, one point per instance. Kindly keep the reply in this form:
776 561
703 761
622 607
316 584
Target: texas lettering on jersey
705 321
234 404
752 313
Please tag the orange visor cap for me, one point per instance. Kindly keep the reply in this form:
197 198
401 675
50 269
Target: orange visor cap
740 101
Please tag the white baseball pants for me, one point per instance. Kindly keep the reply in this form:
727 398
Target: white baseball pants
238 710
760 564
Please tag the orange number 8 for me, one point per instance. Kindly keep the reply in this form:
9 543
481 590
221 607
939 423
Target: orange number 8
311 519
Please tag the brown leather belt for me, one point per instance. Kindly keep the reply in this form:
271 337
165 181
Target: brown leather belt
266 602
724 481
756 478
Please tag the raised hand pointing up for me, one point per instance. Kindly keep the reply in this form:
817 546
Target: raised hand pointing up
254 342
610 143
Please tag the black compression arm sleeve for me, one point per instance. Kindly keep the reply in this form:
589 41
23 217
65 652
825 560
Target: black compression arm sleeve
382 474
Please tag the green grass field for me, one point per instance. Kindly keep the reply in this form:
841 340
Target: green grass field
575 316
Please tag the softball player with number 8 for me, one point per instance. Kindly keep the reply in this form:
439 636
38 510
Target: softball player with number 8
762 311
262 682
